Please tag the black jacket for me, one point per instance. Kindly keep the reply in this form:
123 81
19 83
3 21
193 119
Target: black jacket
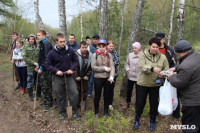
45 47
171 56
187 79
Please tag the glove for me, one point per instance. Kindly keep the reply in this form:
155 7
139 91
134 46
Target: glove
85 78
36 64
111 80
78 78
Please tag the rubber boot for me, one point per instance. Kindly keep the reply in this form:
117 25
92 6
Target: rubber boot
23 91
152 123
136 123
30 93
106 113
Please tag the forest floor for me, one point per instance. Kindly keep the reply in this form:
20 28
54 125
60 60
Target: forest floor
17 115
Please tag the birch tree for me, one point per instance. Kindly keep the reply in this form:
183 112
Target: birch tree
39 22
180 20
62 17
136 24
133 38
171 23
122 26
81 20
103 19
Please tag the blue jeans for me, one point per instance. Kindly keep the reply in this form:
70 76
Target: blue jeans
22 73
90 84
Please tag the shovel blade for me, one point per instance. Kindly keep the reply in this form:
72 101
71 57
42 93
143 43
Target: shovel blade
82 106
69 112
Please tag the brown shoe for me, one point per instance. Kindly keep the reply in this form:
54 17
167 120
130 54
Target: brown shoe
126 106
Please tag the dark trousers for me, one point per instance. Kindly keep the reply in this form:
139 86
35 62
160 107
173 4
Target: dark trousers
191 116
46 86
130 90
22 73
99 84
60 93
141 96
176 112
112 91
85 88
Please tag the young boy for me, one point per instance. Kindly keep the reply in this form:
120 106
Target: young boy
63 60
84 69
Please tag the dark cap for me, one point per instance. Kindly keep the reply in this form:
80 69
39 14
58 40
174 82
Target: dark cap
96 36
182 46
87 37
160 35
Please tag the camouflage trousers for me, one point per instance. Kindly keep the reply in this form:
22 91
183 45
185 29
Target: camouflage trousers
46 86
31 82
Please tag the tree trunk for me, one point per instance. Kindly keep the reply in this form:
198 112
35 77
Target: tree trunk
62 17
136 24
171 23
103 19
133 38
122 26
81 20
180 20
39 22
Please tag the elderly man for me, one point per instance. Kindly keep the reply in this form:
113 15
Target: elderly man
187 81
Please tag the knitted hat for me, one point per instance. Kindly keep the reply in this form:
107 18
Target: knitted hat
182 46
160 35
137 45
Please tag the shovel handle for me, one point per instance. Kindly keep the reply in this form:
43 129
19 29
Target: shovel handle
67 94
35 91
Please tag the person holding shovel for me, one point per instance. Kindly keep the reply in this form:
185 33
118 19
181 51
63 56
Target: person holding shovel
83 71
62 61
30 54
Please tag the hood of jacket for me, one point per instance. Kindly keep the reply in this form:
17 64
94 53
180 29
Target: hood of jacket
78 52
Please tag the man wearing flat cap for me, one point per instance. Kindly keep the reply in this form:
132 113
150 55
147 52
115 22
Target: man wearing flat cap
171 57
187 81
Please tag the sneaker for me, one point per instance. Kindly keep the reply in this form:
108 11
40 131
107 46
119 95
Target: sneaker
111 107
76 116
31 98
62 116
47 108
89 96
42 104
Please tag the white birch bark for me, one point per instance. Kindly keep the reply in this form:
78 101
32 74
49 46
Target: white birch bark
39 22
62 17
103 19
136 24
81 20
171 23
122 26
180 20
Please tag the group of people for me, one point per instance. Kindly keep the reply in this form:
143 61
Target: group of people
96 64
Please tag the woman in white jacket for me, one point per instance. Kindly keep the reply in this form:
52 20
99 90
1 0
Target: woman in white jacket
132 70
20 65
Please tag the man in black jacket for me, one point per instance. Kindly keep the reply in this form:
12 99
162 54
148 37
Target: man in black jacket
46 77
61 60
172 60
187 81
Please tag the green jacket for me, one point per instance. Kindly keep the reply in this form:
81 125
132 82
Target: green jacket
146 61
30 55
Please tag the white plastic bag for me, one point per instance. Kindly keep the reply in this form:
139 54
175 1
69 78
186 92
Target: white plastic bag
168 99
